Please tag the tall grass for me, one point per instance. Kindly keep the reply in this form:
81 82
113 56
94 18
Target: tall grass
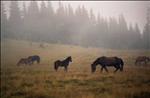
41 81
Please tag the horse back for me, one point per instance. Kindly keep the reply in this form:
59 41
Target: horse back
119 61
23 61
57 62
35 57
141 58
110 60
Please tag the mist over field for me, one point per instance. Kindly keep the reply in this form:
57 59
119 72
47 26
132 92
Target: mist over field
78 24
49 49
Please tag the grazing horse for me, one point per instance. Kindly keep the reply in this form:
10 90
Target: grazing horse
34 58
107 61
64 63
141 59
23 61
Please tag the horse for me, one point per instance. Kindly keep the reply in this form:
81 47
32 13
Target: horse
34 58
23 61
141 59
107 61
64 63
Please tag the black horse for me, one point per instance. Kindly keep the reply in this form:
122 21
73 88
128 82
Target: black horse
34 58
108 61
141 59
23 61
64 63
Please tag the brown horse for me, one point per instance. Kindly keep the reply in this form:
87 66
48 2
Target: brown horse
142 59
108 61
64 63
23 61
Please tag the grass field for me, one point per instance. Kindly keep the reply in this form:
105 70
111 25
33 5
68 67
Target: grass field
41 81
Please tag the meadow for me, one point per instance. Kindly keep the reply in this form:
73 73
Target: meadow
41 80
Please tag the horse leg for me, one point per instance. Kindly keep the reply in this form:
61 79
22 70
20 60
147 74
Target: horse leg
102 69
145 62
56 69
106 69
117 67
38 61
139 63
66 68
30 62
136 62
116 70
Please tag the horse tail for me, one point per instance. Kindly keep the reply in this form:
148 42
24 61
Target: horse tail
136 62
122 64
56 65
38 60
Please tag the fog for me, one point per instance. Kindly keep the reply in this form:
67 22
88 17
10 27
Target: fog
134 11
109 24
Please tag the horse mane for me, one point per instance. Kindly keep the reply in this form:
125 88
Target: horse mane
69 57
96 60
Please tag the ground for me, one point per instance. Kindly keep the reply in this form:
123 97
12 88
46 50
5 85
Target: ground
41 81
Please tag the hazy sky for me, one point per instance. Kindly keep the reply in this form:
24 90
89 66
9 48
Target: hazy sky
134 11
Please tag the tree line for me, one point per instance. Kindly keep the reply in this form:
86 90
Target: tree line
68 26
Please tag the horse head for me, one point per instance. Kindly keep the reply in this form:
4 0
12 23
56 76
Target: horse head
96 62
70 58
93 67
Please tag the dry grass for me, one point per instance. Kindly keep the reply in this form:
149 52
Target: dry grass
41 81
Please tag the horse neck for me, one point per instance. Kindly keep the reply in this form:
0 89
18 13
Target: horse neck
95 63
67 60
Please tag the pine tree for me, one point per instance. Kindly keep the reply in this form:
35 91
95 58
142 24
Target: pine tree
50 9
33 10
146 31
43 11
33 22
4 32
70 11
24 10
137 36
78 17
92 17
51 19
15 14
47 22
15 21
122 24
131 37
123 32
84 15
60 13
114 34
70 23
24 20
